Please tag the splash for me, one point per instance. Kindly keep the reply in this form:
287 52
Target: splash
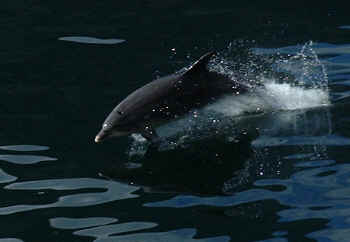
289 97
300 81
305 66
138 146
271 97
286 82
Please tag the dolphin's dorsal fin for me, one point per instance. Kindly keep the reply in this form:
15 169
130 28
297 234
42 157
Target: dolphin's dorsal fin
200 64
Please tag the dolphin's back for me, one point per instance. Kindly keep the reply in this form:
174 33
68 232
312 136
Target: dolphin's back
148 94
143 100
172 95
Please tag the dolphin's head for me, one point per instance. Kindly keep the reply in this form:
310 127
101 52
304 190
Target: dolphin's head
116 124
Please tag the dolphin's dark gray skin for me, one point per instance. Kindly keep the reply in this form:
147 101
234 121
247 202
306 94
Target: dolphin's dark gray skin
167 98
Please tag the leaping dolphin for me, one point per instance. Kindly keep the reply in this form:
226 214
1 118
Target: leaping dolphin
168 98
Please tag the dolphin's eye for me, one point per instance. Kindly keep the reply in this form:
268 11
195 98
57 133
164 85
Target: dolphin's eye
120 113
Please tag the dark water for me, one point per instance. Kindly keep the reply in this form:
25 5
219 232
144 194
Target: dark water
269 166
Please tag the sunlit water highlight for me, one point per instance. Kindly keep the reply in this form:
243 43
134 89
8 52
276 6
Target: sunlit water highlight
10 240
186 235
24 147
113 191
25 159
79 223
91 40
5 178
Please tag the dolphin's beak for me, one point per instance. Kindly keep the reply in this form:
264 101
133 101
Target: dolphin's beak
103 134
97 139
100 136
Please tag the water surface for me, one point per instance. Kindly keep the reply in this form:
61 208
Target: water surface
271 165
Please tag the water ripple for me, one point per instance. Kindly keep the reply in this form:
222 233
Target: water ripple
91 40
114 191
79 223
103 232
10 240
274 240
315 163
333 234
4 177
26 159
329 140
311 182
185 235
344 27
24 147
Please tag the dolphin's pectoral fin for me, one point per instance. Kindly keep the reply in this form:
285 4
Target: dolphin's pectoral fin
149 133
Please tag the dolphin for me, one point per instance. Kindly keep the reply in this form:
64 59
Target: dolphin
168 98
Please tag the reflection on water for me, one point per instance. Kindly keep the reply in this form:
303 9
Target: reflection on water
103 233
300 140
344 27
79 223
5 178
113 191
10 240
24 147
91 40
274 240
316 163
171 236
25 159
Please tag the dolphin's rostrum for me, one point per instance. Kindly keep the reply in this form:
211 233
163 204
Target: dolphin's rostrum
167 98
